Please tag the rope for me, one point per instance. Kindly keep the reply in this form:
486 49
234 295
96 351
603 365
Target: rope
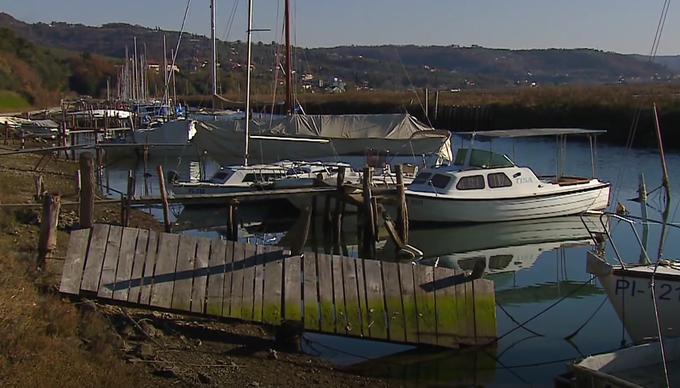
179 40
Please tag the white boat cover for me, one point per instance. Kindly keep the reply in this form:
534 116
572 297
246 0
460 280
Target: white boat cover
304 136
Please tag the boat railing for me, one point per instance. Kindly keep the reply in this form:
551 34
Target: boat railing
630 221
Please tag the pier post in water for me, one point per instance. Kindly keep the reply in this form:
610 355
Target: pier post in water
164 199
87 190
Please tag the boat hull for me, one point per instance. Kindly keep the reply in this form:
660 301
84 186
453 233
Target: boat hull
425 207
630 293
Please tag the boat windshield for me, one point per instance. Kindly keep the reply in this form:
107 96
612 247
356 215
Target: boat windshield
481 159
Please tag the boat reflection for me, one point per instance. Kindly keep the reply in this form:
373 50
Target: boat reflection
503 246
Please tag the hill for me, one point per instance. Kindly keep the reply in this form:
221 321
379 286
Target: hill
387 67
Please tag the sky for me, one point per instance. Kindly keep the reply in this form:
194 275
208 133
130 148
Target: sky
625 26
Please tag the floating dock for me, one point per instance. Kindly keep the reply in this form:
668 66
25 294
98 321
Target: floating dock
397 302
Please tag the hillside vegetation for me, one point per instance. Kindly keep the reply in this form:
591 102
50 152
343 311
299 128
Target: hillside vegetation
34 76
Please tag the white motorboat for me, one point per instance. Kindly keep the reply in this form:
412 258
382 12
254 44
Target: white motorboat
282 175
482 186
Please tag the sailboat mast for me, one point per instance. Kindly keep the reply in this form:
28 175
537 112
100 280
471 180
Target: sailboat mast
213 74
289 65
250 59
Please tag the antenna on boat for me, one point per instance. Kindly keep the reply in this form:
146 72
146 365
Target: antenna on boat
665 182
250 59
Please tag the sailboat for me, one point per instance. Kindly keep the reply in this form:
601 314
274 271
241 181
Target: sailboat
398 138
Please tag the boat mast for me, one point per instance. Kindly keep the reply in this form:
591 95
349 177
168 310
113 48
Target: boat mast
289 66
213 73
250 59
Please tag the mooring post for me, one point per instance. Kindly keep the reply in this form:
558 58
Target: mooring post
6 133
369 213
232 223
339 210
164 199
87 190
402 210
127 199
48 227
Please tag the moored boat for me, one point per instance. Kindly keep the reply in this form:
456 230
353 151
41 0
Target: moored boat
482 186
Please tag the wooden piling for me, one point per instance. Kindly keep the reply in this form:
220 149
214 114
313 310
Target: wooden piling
232 222
164 199
127 199
87 190
402 210
48 227
368 214
6 133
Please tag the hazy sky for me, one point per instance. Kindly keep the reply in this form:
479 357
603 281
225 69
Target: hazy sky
625 26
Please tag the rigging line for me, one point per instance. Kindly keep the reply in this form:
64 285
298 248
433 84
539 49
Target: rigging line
230 21
517 323
410 82
179 40
545 310
658 324
277 69
592 315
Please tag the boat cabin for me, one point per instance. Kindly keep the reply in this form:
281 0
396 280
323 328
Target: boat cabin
475 171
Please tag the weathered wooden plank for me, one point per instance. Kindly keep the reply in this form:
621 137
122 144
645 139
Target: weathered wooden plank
395 313
338 295
272 298
408 298
138 265
228 277
377 328
186 256
108 277
149 268
292 291
326 307
352 306
125 260
75 261
427 321
216 273
247 303
164 273
361 290
485 310
448 323
95 258
259 284
310 292
198 291
236 310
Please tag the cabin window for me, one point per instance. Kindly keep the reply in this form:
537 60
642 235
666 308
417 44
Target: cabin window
474 182
440 181
421 178
498 179
250 178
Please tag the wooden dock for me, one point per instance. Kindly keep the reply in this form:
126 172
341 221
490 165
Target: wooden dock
397 302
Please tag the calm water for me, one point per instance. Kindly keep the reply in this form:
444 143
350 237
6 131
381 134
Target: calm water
539 280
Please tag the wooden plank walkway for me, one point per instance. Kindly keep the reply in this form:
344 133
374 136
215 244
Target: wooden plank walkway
396 302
